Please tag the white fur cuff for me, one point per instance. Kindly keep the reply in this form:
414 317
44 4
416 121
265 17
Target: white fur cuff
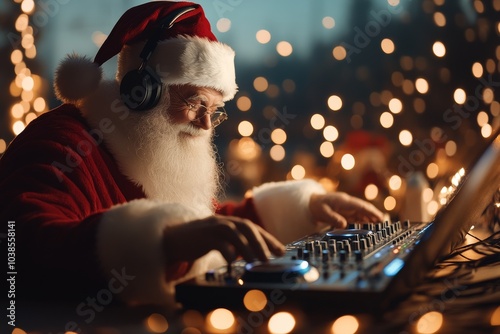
129 240
284 208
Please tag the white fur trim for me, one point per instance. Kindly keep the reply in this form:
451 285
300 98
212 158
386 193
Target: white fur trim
129 239
76 77
284 208
187 60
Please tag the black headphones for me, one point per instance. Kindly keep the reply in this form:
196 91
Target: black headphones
141 89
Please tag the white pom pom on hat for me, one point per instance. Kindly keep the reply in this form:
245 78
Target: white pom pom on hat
75 78
209 63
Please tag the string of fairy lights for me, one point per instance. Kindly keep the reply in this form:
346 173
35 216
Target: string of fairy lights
407 94
27 88
413 91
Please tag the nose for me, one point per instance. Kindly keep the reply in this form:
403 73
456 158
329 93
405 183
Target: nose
203 122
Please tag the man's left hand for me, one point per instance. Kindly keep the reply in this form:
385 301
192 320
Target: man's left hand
337 209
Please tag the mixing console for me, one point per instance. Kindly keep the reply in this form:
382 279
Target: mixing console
346 266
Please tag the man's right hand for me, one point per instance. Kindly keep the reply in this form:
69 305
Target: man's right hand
231 236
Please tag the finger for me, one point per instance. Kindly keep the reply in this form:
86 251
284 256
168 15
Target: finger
353 207
331 217
255 239
230 233
228 252
369 211
260 236
274 245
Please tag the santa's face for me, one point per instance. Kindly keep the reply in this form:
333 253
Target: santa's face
190 104
175 154
167 150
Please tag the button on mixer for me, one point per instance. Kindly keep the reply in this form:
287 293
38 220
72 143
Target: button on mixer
332 246
306 254
342 256
325 255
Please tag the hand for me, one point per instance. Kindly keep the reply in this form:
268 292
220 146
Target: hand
231 236
336 208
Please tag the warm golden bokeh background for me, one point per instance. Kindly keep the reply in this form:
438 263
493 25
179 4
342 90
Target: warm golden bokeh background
379 98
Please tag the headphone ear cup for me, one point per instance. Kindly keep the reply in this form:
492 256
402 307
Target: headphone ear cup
141 89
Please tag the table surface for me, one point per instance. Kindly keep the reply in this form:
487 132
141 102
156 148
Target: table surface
466 302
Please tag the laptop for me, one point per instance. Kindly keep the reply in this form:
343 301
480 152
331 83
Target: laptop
365 268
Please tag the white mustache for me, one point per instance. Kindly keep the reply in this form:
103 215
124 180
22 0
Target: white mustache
194 131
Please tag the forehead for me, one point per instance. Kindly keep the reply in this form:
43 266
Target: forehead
188 90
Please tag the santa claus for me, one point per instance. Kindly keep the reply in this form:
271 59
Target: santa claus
117 187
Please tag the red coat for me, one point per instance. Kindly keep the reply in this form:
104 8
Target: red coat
55 183
62 188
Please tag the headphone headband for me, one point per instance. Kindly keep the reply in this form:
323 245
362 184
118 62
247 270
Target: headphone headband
166 23
141 89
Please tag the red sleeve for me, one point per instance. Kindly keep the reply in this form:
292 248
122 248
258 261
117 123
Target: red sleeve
54 184
244 209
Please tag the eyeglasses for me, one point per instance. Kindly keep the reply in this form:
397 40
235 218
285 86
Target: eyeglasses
197 111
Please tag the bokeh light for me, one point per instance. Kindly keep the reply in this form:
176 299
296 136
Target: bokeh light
387 46
156 323
439 49
27 6
245 128
386 119
277 153
3 146
371 192
348 161
389 203
244 103
339 52
260 84
439 19
346 324
459 96
221 319
278 136
317 121
395 106
263 36
281 323
405 138
495 317
326 149
298 172
334 102
255 300
330 133
223 24
432 170
432 208
284 48
395 182
429 323
477 70
328 22
422 85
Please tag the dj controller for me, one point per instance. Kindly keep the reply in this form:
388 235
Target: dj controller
349 268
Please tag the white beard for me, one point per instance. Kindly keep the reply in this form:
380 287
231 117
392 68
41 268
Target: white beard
169 164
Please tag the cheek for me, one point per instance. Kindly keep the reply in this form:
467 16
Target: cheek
178 115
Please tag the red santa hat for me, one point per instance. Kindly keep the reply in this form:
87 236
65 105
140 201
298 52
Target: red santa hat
187 53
